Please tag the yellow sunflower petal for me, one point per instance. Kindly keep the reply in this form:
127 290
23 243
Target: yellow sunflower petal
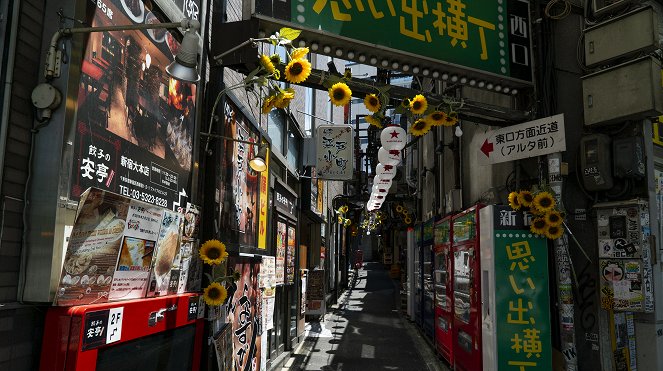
298 70
268 104
451 119
372 103
525 198
267 64
372 120
215 294
436 118
554 218
213 252
420 127
418 104
554 231
340 94
284 97
299 53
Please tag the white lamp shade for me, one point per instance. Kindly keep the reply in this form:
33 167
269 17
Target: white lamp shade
385 171
393 138
389 157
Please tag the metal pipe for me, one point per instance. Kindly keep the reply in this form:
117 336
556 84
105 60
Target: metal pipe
228 138
6 97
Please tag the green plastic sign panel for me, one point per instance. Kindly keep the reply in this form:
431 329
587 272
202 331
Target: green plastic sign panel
487 35
522 301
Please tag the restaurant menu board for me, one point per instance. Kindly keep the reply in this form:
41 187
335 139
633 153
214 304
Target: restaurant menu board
165 273
316 292
93 248
133 267
134 124
290 257
281 239
268 276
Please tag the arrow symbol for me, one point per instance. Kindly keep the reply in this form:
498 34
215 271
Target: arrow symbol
486 148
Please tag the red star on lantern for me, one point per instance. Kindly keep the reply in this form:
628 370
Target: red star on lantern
394 134
388 167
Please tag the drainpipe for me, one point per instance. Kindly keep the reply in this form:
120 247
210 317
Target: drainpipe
7 91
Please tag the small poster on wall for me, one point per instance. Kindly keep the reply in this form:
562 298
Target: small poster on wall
166 260
281 240
290 257
223 345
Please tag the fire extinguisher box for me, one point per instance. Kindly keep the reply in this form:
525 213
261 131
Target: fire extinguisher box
163 333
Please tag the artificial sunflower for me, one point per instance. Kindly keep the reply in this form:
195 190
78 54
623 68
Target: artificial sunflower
543 202
372 103
420 127
276 59
418 104
538 226
525 198
340 219
514 202
236 275
267 64
347 74
347 222
299 53
451 119
297 70
215 294
340 94
343 209
399 208
374 121
436 118
284 97
554 217
268 104
408 220
213 252
554 232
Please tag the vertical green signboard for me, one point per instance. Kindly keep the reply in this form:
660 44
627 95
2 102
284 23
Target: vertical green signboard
522 300
487 35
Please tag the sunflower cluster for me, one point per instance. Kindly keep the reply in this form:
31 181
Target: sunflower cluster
404 214
296 71
213 252
547 220
372 220
342 220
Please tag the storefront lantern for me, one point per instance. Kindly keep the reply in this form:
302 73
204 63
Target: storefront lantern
393 138
389 157
385 171
382 181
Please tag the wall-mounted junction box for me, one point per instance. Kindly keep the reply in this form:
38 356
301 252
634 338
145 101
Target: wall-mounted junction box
629 34
629 91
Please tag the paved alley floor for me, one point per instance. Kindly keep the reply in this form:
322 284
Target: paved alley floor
365 332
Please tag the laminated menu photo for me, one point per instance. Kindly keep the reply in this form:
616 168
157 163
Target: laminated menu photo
93 248
166 258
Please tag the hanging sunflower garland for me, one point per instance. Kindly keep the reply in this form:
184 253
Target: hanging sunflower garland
213 252
404 214
548 220
341 219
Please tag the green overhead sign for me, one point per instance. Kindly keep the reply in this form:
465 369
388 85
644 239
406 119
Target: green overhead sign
487 35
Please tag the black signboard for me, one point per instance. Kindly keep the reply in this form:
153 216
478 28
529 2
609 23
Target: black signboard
193 308
284 200
134 124
94 332
520 36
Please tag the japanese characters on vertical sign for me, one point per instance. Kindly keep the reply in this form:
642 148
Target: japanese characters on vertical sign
239 184
281 241
335 152
529 139
492 36
264 198
290 257
521 298
244 313
134 124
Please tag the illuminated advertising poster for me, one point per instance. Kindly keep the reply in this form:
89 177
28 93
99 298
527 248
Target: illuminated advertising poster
522 301
165 274
93 248
290 257
238 183
264 197
134 124
281 239
244 315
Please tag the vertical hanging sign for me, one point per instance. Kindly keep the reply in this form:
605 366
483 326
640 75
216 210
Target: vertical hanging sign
522 301
264 194
335 152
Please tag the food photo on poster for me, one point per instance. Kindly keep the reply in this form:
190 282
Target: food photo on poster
238 182
134 124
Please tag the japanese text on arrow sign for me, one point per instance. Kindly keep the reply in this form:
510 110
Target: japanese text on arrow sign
529 139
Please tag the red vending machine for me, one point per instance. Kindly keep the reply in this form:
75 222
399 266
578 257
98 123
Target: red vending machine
466 290
444 289
157 334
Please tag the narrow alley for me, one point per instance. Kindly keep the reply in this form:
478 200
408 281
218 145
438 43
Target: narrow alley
365 331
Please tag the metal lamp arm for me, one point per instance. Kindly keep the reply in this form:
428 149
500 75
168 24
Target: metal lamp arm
51 62
227 138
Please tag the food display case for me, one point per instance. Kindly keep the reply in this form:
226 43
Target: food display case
427 278
443 278
155 334
466 290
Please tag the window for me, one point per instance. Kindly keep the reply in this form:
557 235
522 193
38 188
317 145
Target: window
294 144
276 130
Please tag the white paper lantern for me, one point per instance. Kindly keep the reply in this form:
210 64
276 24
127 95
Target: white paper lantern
380 189
393 137
389 157
385 171
382 182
